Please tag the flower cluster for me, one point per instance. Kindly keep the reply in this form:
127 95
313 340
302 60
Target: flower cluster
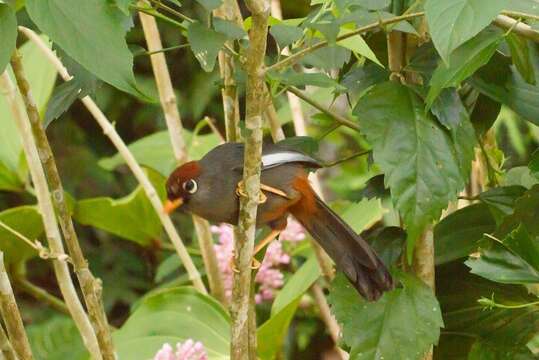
189 350
269 276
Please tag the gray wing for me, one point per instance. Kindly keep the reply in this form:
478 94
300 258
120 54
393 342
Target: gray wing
280 157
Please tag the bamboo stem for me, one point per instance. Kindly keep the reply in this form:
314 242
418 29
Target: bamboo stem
245 231
12 316
175 128
90 286
41 295
6 350
49 219
112 134
506 22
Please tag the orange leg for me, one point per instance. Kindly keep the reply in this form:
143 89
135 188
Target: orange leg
255 263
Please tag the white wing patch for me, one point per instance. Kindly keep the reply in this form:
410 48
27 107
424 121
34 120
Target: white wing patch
283 157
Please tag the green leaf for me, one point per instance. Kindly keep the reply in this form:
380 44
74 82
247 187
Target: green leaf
305 144
56 339
458 234
210 4
66 22
525 6
358 46
8 34
131 217
285 34
419 160
501 200
533 165
451 113
404 323
228 28
167 267
155 151
505 263
27 221
62 98
270 335
41 75
483 350
504 84
464 62
484 113
327 58
451 23
364 214
371 4
520 55
301 79
205 44
520 175
9 180
297 285
123 5
174 315
467 322
388 243
359 79
526 212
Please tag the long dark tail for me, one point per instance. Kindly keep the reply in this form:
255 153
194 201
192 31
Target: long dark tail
350 251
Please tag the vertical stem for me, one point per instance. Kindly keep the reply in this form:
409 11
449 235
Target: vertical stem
12 316
6 350
49 219
90 286
245 232
229 10
175 127
112 134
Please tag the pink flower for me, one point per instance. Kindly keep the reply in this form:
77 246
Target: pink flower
269 276
224 251
189 350
294 232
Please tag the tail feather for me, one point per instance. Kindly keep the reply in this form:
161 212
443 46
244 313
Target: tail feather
351 253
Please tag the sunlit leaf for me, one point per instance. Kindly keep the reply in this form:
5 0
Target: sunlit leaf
404 323
8 34
451 23
27 221
205 44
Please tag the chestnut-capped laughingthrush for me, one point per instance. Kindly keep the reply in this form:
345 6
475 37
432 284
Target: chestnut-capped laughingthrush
209 188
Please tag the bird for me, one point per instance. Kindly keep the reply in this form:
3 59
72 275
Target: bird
211 187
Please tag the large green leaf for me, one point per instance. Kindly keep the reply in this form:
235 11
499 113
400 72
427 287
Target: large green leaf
93 33
403 324
174 315
388 243
464 62
56 339
417 156
131 217
520 55
501 200
41 75
500 264
8 34
27 221
458 234
358 46
467 322
451 23
155 151
9 180
205 44
285 34
362 215
504 84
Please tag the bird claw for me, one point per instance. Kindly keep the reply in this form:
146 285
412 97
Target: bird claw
240 191
255 265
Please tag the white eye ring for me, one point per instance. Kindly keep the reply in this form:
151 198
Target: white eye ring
190 186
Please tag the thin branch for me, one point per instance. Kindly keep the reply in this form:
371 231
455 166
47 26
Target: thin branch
6 350
294 58
175 128
273 120
90 286
245 231
341 119
12 316
518 14
505 22
347 158
229 10
170 48
41 295
112 134
49 218
170 10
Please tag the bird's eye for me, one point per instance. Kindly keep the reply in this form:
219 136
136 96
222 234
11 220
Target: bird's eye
190 186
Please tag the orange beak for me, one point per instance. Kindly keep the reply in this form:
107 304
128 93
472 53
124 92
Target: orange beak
170 206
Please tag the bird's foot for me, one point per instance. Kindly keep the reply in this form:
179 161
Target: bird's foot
255 265
240 191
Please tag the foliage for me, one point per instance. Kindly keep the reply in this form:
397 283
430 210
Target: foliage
448 142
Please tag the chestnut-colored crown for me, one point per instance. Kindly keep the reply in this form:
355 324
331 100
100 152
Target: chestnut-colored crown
189 170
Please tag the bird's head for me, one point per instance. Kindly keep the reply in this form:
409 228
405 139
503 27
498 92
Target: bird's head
181 185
